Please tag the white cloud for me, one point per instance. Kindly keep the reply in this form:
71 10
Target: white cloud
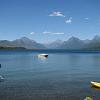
57 33
86 18
69 21
32 33
58 14
46 32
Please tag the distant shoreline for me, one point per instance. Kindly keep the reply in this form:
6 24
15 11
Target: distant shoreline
49 50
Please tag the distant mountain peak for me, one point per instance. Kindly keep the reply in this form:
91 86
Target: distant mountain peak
58 41
54 44
27 43
73 39
97 37
86 41
25 38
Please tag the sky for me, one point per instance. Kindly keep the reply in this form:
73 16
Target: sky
49 20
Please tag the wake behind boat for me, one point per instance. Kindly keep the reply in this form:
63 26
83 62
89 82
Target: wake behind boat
1 78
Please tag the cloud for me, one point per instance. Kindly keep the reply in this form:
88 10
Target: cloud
32 33
86 18
55 33
59 33
60 14
69 21
57 14
46 32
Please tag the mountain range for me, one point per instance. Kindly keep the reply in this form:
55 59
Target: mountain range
23 42
75 43
72 43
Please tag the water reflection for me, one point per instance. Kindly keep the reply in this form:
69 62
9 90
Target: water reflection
95 88
42 59
1 78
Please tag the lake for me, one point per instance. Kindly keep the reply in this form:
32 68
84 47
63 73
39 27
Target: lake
62 76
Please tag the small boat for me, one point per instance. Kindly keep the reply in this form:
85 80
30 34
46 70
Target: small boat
95 84
43 55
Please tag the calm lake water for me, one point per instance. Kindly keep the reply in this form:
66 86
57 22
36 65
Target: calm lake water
62 76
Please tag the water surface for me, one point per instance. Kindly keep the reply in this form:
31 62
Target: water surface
62 76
